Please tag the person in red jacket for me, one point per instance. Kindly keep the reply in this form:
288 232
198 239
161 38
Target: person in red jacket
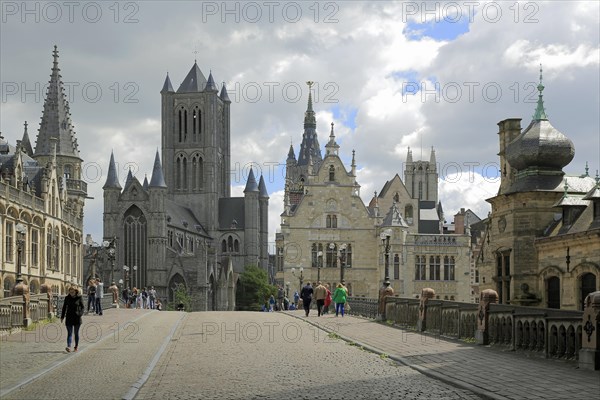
328 300
73 309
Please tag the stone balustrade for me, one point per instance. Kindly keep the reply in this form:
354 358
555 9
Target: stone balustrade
542 332
12 310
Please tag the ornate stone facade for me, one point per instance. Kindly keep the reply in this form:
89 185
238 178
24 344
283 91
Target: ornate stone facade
327 230
42 194
541 245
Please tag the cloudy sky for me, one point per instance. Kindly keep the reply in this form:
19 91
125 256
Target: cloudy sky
390 75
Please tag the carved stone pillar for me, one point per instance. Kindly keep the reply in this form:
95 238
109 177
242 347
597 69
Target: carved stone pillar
426 294
384 292
45 288
486 297
114 290
589 355
21 289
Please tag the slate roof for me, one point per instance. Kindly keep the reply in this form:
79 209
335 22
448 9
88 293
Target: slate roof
231 210
183 218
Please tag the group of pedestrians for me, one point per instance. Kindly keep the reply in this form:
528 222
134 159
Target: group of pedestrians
95 294
324 297
141 299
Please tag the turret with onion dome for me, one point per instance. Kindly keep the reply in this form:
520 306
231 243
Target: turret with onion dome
541 149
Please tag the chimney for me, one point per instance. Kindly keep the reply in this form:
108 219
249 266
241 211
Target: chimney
459 222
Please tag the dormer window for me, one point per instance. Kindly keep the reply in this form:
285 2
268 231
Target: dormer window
331 173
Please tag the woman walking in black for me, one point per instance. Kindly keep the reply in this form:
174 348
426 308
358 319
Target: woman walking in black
73 308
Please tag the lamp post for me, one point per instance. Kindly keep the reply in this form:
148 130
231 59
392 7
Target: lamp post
385 241
126 273
343 255
110 247
319 265
135 278
21 230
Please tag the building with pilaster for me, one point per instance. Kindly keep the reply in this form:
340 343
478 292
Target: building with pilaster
42 195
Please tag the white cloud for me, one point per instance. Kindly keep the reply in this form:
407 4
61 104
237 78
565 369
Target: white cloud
361 56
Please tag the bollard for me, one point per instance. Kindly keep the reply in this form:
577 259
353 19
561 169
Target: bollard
426 294
486 297
589 354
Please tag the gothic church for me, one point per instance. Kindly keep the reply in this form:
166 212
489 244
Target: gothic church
183 228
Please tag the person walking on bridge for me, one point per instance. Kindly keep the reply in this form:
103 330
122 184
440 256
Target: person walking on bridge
306 294
73 309
320 295
339 297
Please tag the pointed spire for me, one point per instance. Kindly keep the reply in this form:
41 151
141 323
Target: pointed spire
566 189
129 178
291 155
432 159
540 113
310 121
210 84
26 143
167 87
112 180
145 184
224 95
56 118
262 189
409 158
353 165
158 179
251 185
193 82
331 134
587 169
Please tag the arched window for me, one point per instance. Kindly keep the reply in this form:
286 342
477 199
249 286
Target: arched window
553 292
397 198
420 190
224 246
195 124
197 172
236 246
9 241
180 125
230 244
49 264
181 172
420 268
331 173
135 244
396 266
448 268
331 255
56 249
587 285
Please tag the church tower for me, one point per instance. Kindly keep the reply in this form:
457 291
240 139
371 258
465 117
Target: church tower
309 156
56 140
196 144
421 177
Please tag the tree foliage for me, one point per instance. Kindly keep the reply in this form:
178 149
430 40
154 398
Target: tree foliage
181 297
253 289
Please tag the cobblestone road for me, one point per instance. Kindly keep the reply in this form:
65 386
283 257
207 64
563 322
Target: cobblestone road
274 356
